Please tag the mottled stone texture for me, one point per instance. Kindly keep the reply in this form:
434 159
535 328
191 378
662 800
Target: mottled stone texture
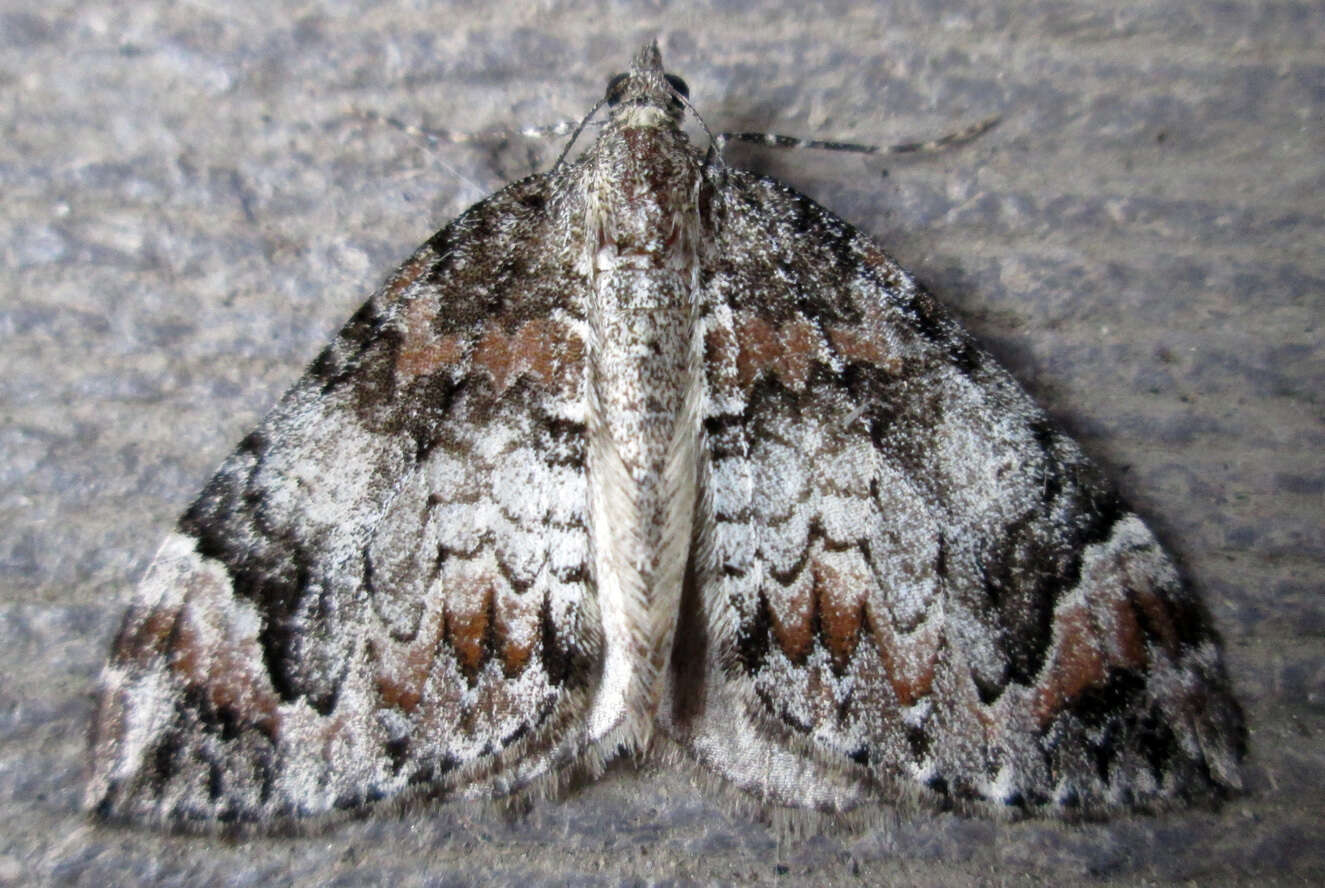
192 206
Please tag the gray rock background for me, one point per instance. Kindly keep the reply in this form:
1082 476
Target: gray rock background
191 206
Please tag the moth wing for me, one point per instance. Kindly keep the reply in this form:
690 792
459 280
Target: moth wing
906 582
386 588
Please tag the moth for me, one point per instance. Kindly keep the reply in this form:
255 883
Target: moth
651 452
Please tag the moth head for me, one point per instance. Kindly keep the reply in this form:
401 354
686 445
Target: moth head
647 85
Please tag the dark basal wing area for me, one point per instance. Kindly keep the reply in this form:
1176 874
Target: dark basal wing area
929 584
386 587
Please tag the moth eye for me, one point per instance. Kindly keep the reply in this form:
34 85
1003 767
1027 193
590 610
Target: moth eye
615 87
679 85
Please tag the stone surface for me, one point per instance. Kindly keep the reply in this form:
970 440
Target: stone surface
193 204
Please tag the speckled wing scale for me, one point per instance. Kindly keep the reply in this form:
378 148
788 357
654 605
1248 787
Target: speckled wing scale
646 446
